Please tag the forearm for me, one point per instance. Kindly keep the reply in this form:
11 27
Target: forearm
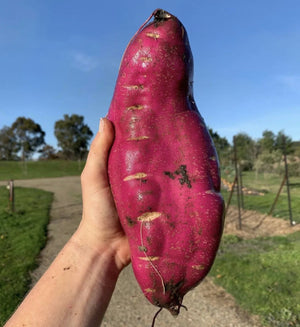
75 290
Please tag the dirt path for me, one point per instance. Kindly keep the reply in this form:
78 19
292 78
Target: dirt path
254 224
208 305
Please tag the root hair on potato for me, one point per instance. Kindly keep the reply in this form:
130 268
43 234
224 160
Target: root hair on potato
155 316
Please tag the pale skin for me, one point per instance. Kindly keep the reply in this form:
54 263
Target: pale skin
77 287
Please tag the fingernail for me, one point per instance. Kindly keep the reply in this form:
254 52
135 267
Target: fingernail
101 125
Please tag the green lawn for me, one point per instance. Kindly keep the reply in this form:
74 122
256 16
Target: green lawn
39 169
270 182
263 276
22 236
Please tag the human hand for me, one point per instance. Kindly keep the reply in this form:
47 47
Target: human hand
100 227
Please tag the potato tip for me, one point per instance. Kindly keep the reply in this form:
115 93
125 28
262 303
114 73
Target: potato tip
160 14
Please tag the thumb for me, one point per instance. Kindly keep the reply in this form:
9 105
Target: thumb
95 170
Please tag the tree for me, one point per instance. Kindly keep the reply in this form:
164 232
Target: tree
29 136
220 143
222 146
48 153
73 136
272 148
267 142
284 143
268 162
246 150
296 148
8 144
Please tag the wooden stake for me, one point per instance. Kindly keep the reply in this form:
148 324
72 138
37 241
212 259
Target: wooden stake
230 195
287 185
238 187
277 196
11 189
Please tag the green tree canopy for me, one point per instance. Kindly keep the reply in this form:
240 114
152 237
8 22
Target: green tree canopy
220 143
48 153
222 146
246 150
73 136
267 142
29 136
8 144
296 148
271 149
284 143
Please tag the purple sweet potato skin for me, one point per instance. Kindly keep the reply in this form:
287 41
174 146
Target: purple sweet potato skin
163 167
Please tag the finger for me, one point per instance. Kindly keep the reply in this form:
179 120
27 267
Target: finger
95 171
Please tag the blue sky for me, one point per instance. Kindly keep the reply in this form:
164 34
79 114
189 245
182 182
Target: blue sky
62 57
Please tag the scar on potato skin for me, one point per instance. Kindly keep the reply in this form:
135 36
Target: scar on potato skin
149 216
169 174
135 176
185 178
198 267
153 35
136 107
172 225
181 171
130 221
143 248
149 258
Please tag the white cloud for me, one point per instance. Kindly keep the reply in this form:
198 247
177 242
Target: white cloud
83 61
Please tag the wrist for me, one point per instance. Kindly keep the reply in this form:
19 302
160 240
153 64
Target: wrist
98 251
75 290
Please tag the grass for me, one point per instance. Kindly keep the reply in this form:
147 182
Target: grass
269 184
39 169
22 236
263 276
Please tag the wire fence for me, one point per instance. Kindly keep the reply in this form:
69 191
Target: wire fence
238 188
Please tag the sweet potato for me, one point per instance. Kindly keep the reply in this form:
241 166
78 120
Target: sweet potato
163 167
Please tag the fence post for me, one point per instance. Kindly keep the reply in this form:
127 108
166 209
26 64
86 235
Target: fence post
241 186
277 196
11 189
230 195
287 184
238 186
